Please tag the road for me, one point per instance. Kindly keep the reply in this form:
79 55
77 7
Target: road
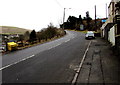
51 62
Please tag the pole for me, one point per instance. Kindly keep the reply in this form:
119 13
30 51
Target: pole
106 10
63 17
95 19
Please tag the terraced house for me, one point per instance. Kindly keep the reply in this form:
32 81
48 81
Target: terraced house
111 28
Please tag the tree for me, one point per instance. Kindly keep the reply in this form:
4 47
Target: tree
50 31
33 36
21 39
51 25
80 19
88 18
71 22
26 35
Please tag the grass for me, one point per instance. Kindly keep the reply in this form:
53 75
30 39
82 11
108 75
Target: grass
12 30
85 31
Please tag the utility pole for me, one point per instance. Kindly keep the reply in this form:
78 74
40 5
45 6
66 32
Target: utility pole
63 18
95 19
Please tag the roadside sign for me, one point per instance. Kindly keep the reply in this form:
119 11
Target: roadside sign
81 27
103 20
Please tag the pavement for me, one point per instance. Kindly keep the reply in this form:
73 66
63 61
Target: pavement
101 66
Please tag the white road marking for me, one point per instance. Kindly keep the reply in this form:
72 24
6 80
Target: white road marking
67 40
79 68
16 62
50 48
54 46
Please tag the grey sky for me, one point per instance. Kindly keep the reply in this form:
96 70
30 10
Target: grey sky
37 14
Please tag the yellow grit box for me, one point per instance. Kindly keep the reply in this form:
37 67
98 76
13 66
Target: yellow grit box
12 46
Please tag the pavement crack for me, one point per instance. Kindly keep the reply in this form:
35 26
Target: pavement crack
102 69
90 70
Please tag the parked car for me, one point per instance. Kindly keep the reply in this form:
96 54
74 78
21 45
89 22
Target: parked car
2 49
90 35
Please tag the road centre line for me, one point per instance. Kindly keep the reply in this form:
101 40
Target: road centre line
80 66
16 62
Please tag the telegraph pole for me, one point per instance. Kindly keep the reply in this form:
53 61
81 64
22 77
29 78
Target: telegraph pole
63 18
95 19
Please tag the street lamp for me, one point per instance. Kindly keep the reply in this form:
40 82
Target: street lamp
64 17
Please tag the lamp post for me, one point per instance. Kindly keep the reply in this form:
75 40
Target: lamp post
64 17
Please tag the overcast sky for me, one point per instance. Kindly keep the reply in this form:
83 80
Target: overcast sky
37 14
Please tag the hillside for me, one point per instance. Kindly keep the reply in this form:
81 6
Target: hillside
12 30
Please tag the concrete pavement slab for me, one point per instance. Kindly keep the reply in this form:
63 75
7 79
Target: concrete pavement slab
103 66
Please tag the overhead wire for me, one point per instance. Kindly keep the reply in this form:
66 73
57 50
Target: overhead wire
58 3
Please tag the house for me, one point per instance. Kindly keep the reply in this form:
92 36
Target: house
110 30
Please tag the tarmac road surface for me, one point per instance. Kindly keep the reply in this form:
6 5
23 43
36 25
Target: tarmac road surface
51 62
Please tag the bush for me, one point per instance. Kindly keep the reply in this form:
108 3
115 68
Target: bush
49 33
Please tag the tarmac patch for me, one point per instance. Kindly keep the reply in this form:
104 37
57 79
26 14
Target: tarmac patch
97 51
